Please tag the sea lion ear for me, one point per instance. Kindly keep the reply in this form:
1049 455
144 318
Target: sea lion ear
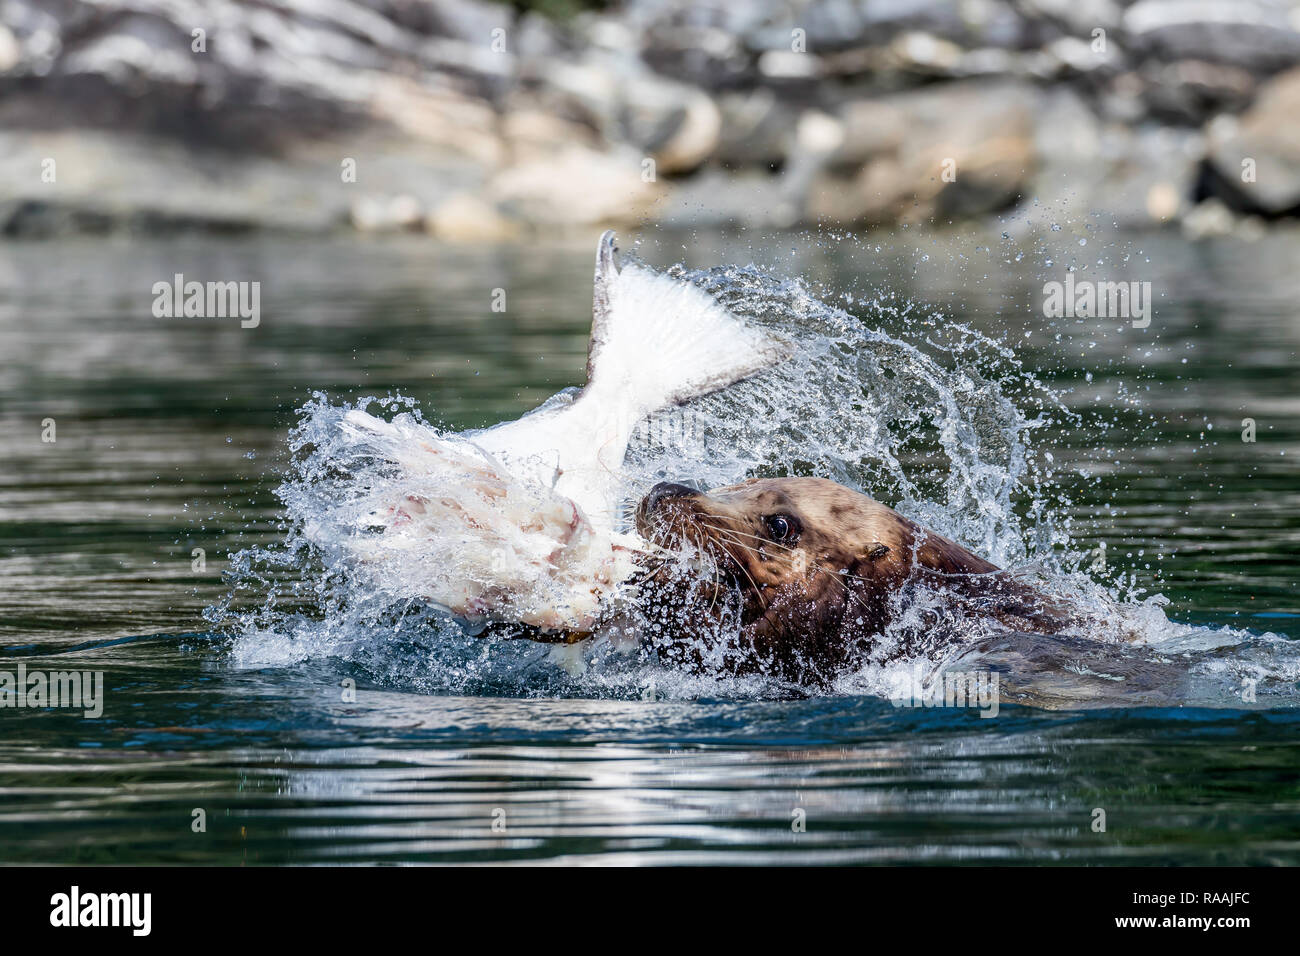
867 562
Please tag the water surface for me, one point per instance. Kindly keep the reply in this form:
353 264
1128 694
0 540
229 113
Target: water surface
171 432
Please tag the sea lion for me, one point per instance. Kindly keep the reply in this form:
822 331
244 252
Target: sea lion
809 574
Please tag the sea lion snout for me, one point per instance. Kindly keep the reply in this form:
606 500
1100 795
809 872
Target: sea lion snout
669 514
673 515
754 537
666 490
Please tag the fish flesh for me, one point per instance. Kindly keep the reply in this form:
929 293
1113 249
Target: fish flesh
523 522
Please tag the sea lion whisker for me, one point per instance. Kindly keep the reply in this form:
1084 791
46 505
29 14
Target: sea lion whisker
758 592
787 548
834 576
784 547
716 584
658 549
837 575
735 541
732 536
746 534
848 592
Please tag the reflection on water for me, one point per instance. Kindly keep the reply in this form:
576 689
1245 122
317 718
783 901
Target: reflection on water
169 434
287 771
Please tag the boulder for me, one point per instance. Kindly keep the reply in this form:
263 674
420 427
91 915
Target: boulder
472 119
1091 167
757 130
1187 91
698 43
587 90
1209 219
532 133
872 128
1074 153
675 124
1079 17
437 116
11 51
953 150
924 54
465 217
577 187
118 180
401 213
1253 34
1254 163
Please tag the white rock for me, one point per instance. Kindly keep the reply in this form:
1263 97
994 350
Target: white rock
11 51
465 217
577 187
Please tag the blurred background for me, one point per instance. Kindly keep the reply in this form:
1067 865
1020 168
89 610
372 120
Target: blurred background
476 120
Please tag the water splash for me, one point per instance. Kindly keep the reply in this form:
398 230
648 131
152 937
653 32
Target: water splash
932 418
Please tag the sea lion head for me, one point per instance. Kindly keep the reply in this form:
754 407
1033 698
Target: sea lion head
772 533
812 563
813 574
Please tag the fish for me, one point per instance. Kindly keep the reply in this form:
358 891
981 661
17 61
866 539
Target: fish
523 522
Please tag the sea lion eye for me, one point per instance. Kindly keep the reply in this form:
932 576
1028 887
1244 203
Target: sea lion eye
779 527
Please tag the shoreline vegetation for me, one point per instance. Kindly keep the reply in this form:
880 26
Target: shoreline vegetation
478 121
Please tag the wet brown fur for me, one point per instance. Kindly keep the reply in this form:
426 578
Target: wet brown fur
812 603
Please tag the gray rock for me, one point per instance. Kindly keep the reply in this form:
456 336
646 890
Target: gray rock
1187 91
1150 175
401 213
465 217
1093 168
1122 99
872 128
1252 34
954 150
11 51
587 90
1079 17
577 188
536 38
971 24
757 130
258 76
1209 219
1084 57
471 120
698 42
105 180
471 21
1072 152
1263 146
676 124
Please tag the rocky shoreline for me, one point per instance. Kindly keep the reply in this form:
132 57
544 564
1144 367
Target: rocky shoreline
472 121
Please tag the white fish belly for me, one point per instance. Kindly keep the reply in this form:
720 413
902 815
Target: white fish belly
454 527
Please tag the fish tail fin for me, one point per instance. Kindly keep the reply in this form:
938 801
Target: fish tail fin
660 341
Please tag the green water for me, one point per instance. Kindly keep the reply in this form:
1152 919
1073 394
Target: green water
169 433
